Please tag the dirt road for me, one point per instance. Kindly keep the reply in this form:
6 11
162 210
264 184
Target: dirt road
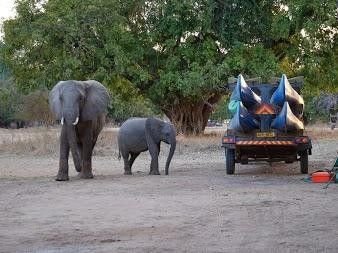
197 208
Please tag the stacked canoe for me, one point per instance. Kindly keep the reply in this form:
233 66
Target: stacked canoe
292 104
287 103
243 93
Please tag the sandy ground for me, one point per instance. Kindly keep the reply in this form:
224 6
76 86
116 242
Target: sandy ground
197 208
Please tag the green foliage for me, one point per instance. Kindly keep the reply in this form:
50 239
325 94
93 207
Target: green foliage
35 107
177 54
252 61
120 110
188 62
57 40
126 101
4 73
10 98
312 43
247 22
221 111
311 112
318 102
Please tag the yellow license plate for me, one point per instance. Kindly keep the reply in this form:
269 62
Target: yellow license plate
265 134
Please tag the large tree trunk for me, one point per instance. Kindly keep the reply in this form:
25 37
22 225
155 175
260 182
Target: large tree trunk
192 118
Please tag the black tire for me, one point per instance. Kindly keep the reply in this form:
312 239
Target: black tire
304 162
230 161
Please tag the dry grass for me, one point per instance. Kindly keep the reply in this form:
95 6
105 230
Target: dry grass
210 141
321 132
36 141
45 141
107 143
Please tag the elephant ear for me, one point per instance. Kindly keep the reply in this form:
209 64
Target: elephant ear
96 100
153 130
54 99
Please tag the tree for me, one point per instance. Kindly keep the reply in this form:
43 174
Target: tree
4 71
34 107
60 40
190 57
72 39
178 54
10 99
128 102
198 44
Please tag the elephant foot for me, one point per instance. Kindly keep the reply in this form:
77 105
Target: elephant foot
87 175
78 169
154 172
126 172
62 177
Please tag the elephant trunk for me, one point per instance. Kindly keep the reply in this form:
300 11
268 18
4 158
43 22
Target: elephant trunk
70 115
170 156
71 134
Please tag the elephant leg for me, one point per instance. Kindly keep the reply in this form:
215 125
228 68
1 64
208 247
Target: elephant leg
127 167
79 151
154 152
133 156
87 151
64 155
73 141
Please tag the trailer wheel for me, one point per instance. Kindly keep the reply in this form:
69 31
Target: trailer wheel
230 161
304 162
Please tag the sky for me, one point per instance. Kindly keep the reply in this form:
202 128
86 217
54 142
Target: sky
6 8
6 11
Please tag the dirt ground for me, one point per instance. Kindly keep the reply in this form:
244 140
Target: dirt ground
197 208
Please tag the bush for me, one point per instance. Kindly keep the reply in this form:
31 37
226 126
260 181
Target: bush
10 99
120 109
221 111
35 107
19 108
318 107
127 101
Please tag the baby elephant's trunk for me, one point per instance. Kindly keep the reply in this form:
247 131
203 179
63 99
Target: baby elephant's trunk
170 156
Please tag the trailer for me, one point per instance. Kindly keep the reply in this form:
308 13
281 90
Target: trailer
270 129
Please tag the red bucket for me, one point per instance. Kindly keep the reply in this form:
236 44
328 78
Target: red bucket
322 177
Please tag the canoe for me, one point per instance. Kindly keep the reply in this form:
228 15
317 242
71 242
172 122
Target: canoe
242 92
285 92
243 120
286 120
248 97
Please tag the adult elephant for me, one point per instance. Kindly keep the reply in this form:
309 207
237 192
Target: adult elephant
81 107
137 135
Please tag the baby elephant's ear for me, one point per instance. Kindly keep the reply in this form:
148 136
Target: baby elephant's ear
96 100
54 99
153 128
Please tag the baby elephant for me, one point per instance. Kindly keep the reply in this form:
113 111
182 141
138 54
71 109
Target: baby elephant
140 134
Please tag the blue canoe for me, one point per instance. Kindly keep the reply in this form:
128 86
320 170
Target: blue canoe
243 93
285 92
286 120
243 120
